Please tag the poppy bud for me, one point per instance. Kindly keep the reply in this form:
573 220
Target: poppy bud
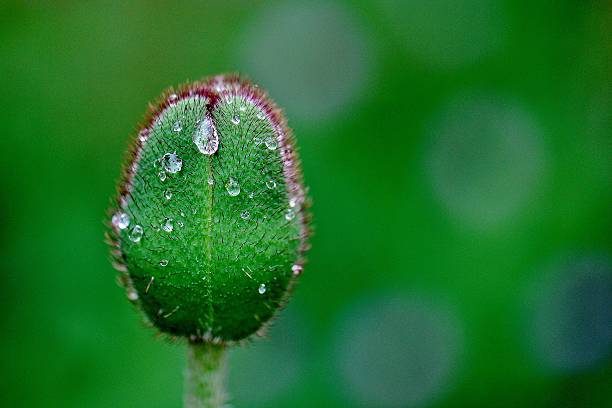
210 224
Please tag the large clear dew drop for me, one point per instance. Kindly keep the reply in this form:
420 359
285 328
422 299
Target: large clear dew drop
206 137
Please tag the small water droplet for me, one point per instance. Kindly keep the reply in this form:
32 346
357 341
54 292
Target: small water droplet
132 295
289 215
162 175
182 214
242 108
194 210
177 127
168 194
172 162
206 137
211 180
271 143
292 202
136 233
180 224
172 97
245 215
163 262
233 187
297 269
257 140
251 195
167 225
262 289
261 115
121 220
271 184
235 119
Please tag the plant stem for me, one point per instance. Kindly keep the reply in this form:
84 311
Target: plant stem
205 376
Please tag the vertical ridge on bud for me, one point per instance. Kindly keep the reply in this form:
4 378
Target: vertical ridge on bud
215 208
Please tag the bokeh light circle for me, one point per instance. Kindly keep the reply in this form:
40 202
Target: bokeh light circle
570 314
397 351
313 58
487 159
268 369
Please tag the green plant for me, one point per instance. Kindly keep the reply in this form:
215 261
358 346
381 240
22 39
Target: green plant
210 224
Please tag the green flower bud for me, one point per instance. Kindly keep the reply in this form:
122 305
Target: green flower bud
210 224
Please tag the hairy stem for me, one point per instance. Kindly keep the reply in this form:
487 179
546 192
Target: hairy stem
205 376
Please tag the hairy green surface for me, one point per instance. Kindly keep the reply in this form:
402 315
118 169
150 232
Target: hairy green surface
212 263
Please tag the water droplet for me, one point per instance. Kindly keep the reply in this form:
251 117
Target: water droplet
245 215
271 143
136 233
121 220
257 140
162 175
168 194
293 202
177 127
132 295
271 184
163 262
211 180
262 289
172 97
242 108
167 225
233 187
206 137
251 195
297 269
261 115
194 210
235 119
289 215
172 162
180 224
182 214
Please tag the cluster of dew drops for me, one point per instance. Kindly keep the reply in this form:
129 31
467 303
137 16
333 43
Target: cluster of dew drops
206 139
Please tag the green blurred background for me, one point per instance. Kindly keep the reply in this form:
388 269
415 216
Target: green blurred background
459 155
